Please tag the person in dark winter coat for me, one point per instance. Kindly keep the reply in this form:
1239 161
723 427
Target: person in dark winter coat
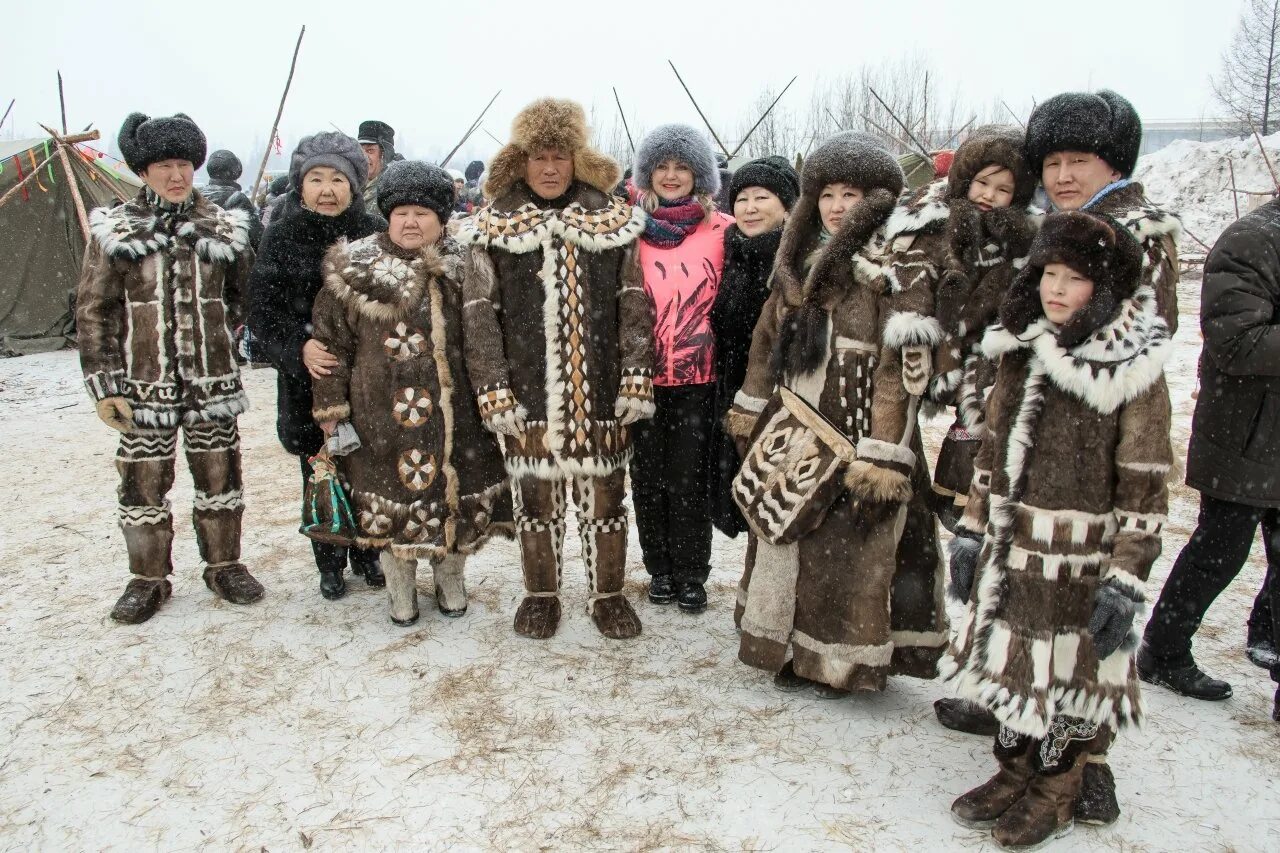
327 171
426 481
762 193
378 141
1063 523
1234 457
162 287
682 258
276 191
224 190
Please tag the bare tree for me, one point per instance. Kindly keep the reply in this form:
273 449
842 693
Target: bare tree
1251 66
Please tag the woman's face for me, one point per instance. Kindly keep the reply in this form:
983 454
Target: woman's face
672 179
991 188
835 201
412 227
326 191
757 211
1063 292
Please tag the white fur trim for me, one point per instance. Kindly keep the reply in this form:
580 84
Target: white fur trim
929 207
909 328
843 657
875 450
743 400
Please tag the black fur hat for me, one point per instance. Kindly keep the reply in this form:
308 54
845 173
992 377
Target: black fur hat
144 140
224 166
677 142
474 170
1097 247
854 158
773 173
993 144
377 133
412 182
1103 123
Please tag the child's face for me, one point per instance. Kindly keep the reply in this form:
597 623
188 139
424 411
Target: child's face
1063 292
991 188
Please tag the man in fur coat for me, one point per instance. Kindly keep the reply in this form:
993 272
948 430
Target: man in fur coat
161 289
559 344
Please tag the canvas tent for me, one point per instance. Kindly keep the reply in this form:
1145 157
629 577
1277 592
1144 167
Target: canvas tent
41 242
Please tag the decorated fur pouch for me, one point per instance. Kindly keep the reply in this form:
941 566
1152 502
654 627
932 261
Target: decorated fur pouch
326 512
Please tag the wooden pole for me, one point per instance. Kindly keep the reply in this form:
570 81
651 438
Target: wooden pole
894 137
625 127
1235 199
275 125
714 135
1265 158
919 145
955 135
491 136
18 186
1020 122
7 111
833 118
61 144
62 102
762 118
470 130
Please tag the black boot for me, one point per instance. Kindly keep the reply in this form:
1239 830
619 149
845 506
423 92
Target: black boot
332 584
366 565
961 715
1097 805
141 599
662 589
1188 681
1275 707
1261 652
691 597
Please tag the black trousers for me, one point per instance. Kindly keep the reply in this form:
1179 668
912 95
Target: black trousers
1210 561
670 466
334 557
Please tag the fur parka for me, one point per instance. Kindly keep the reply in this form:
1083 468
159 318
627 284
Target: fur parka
159 295
427 479
1158 232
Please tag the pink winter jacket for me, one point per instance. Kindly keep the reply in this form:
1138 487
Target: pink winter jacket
682 282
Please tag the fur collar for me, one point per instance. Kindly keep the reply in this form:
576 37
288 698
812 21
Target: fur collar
1130 206
384 282
610 224
134 230
1112 366
924 210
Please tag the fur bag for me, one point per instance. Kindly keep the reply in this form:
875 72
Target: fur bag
326 512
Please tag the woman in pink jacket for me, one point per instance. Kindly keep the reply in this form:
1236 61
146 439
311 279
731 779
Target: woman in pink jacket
682 255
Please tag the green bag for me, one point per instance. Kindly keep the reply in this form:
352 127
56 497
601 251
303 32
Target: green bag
326 512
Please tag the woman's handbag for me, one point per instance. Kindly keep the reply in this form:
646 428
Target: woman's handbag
793 471
326 512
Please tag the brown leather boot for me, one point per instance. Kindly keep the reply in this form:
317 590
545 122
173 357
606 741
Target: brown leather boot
233 583
615 618
538 616
141 599
1047 810
981 807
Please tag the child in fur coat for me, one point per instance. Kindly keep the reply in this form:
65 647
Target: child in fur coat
1063 522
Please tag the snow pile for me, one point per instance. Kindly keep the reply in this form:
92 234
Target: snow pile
1192 179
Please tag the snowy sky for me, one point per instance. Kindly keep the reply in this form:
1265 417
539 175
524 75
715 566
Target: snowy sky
428 68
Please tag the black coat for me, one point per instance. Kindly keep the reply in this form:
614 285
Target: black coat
229 195
748 262
282 287
1235 434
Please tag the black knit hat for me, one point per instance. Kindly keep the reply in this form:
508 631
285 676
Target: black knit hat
773 173
144 140
224 166
412 182
1104 124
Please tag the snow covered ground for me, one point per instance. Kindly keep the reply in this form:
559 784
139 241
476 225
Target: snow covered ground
299 723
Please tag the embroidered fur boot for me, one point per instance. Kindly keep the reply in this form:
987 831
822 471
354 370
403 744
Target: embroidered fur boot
981 807
1047 810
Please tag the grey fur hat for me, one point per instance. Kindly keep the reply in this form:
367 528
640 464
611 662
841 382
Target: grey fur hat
333 149
1103 123
676 142
854 158
224 166
412 182
144 140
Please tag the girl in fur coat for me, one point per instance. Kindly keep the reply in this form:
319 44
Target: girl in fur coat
426 481
1063 522
817 602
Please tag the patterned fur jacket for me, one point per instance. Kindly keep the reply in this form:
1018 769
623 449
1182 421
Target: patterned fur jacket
558 325
158 296
427 479
1068 493
1158 232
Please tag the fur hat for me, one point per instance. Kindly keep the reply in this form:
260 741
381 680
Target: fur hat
278 185
377 133
224 166
329 148
677 142
773 173
550 123
474 170
1104 124
144 140
854 158
993 144
411 182
1096 247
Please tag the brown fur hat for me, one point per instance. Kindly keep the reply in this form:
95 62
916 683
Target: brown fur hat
1098 248
550 123
854 158
992 144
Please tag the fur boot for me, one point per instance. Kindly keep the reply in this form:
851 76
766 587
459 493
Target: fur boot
141 599
232 582
451 589
538 616
615 618
981 807
1097 804
402 587
1047 809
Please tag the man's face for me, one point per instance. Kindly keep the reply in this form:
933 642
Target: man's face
549 172
373 153
170 179
1071 178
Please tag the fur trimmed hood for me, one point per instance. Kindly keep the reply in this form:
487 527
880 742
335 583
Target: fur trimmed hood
383 281
134 230
993 144
550 123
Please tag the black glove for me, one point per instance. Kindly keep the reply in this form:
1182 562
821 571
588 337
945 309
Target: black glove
1114 609
964 549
